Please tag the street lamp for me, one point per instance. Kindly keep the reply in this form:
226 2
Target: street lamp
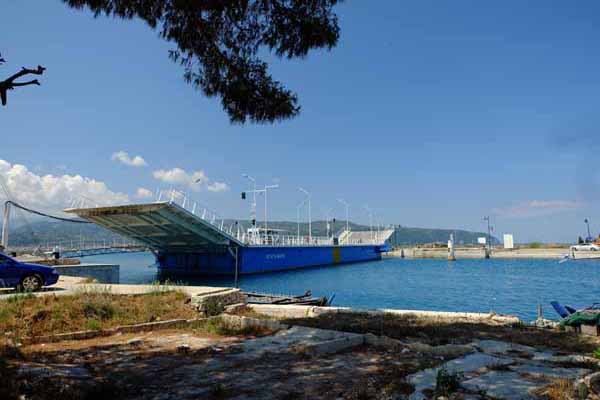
309 216
347 208
253 206
327 220
489 238
370 220
266 218
298 218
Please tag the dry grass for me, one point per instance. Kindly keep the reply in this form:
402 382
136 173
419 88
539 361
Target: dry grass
559 389
26 315
435 332
249 312
216 327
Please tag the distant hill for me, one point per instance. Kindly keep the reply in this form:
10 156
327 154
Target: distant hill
411 236
42 232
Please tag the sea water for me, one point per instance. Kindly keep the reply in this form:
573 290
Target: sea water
507 286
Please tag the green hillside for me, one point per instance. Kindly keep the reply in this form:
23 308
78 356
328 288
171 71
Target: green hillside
42 232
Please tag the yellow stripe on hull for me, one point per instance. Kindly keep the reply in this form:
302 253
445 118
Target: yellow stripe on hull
337 255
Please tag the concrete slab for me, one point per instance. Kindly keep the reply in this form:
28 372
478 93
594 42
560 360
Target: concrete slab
300 339
473 362
69 285
540 371
503 385
499 347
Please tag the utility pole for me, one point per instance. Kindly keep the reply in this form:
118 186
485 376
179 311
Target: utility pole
309 216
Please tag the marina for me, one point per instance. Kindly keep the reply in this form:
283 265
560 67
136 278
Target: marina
507 286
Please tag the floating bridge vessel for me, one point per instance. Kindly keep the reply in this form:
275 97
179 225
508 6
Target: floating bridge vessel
191 240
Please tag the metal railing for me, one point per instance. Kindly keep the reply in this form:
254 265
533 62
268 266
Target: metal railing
240 233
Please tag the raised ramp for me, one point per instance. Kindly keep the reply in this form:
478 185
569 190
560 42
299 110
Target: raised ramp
160 226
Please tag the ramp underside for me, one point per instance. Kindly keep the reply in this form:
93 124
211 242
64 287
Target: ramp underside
160 226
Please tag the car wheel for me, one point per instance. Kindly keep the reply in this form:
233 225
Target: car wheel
30 283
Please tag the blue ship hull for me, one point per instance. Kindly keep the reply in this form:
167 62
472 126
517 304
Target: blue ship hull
262 259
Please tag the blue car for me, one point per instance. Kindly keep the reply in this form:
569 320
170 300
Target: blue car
23 276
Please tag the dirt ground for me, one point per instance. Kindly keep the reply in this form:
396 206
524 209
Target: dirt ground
181 365
214 363
434 332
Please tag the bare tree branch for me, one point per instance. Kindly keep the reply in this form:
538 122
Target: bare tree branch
10 84
33 82
24 71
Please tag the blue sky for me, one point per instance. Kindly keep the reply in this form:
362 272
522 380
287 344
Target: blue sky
432 113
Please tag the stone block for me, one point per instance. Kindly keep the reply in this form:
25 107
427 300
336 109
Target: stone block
241 323
335 345
215 303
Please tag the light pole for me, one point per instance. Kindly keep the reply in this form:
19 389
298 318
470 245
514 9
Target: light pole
266 218
589 236
298 218
489 237
347 208
327 220
309 216
370 220
253 206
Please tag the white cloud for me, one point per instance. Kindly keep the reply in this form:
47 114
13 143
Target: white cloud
143 193
537 208
124 158
55 192
218 187
178 176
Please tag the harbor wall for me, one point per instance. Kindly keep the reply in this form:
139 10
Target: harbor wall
474 253
103 273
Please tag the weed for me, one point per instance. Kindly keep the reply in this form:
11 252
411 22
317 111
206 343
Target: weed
93 325
218 390
212 307
102 311
596 353
446 382
401 386
94 309
559 389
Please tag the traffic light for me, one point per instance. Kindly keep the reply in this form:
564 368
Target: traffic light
243 195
